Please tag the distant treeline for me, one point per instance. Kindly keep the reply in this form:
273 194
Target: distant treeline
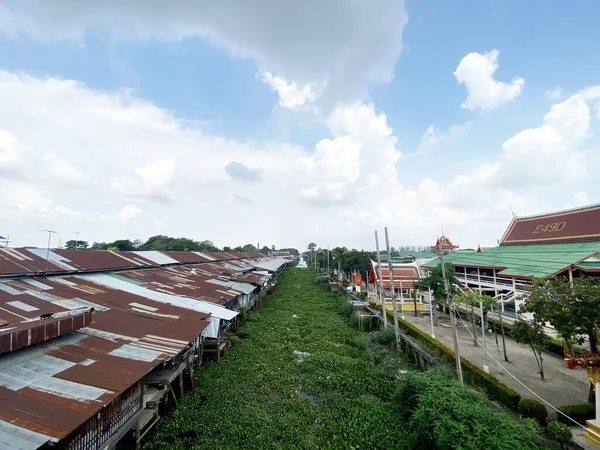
167 243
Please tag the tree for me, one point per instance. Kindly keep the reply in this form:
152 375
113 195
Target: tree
227 249
167 243
249 248
435 282
572 308
73 244
532 334
475 300
124 245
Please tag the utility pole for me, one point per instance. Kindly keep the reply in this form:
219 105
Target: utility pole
328 261
393 290
452 315
401 299
7 240
380 289
50 233
486 368
431 313
77 233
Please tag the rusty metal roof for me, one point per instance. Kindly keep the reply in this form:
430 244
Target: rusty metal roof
37 261
140 319
183 281
251 277
50 389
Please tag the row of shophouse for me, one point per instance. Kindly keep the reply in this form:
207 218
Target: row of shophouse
559 244
96 345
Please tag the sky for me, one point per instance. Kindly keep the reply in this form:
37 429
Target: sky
284 122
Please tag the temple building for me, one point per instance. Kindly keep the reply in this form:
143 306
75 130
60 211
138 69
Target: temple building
564 243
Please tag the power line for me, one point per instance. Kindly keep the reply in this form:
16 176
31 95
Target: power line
516 379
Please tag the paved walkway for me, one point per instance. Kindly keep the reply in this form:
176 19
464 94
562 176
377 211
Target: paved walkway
562 386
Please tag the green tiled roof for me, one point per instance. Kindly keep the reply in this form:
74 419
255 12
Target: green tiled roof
525 260
423 255
589 265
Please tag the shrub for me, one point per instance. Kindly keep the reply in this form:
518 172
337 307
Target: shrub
533 409
346 309
441 414
579 413
560 433
384 337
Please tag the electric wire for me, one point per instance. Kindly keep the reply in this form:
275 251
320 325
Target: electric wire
515 377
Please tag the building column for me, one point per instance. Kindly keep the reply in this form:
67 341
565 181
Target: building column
479 279
571 277
495 290
517 308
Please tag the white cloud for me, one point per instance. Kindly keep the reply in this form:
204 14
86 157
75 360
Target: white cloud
26 198
151 182
433 136
10 154
291 95
295 40
476 72
61 171
129 212
356 171
581 199
554 94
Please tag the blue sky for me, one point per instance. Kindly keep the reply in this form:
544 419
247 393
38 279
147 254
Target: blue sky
207 83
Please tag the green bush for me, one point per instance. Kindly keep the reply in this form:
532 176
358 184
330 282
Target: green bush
579 413
346 309
533 409
560 433
471 373
384 337
442 415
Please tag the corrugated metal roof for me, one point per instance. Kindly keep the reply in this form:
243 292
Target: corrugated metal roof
251 277
50 389
32 261
141 318
272 265
157 257
162 297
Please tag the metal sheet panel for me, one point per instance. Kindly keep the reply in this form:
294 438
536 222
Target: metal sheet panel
161 297
157 257
13 437
135 352
16 374
69 389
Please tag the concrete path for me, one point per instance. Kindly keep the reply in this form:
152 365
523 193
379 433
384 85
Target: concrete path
562 386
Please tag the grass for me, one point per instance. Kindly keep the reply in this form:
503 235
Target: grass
265 394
